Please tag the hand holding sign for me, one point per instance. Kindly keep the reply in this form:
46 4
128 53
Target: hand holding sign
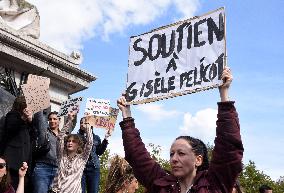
72 115
124 106
106 122
108 133
84 123
69 106
27 115
227 78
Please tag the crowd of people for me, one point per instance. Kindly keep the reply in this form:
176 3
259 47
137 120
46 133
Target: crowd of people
37 156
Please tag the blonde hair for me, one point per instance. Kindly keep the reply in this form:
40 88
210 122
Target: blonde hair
120 172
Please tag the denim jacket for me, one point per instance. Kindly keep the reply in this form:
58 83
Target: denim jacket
97 149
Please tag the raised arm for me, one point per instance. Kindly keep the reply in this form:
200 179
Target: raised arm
227 78
146 169
62 134
227 155
40 125
89 141
22 173
100 149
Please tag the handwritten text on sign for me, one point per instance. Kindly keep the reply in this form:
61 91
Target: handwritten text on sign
69 105
98 107
181 58
106 122
36 93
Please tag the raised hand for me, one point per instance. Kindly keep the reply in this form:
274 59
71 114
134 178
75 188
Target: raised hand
124 107
27 115
227 78
108 133
23 170
72 114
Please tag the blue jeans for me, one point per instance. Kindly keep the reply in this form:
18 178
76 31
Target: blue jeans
42 177
91 179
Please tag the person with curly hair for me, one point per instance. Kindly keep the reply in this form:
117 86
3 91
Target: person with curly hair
73 155
190 168
120 177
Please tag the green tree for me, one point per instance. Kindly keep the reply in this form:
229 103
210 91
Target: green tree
155 152
209 150
104 160
280 184
251 179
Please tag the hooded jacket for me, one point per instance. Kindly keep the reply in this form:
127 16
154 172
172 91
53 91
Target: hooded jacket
224 167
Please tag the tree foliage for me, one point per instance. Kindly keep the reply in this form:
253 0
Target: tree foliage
251 179
104 161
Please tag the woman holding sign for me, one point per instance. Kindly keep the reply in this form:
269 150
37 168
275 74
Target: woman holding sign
17 137
91 174
190 168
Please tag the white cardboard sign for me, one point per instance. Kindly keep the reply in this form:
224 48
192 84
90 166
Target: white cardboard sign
97 107
69 106
106 122
181 58
36 93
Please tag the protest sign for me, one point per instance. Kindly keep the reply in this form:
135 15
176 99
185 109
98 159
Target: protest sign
106 122
181 58
69 105
98 107
36 93
34 79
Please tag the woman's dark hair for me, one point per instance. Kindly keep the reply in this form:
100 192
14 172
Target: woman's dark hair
19 104
6 179
52 113
77 139
199 148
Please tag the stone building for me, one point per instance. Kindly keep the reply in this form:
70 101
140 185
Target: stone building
21 55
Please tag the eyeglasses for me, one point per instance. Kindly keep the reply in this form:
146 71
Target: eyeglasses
2 165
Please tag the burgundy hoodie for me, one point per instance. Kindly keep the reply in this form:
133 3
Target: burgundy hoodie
224 167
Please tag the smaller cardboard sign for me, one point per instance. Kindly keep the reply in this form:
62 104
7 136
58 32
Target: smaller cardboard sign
106 122
69 106
97 107
36 93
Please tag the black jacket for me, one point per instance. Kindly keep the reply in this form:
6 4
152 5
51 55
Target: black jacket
17 140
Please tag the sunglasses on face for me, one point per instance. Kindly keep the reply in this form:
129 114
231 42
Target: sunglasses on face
2 165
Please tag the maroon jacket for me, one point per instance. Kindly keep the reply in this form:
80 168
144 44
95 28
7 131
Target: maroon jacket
223 169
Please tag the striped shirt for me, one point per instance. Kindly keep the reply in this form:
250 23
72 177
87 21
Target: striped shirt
70 170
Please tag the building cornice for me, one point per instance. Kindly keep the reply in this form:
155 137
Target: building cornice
43 57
